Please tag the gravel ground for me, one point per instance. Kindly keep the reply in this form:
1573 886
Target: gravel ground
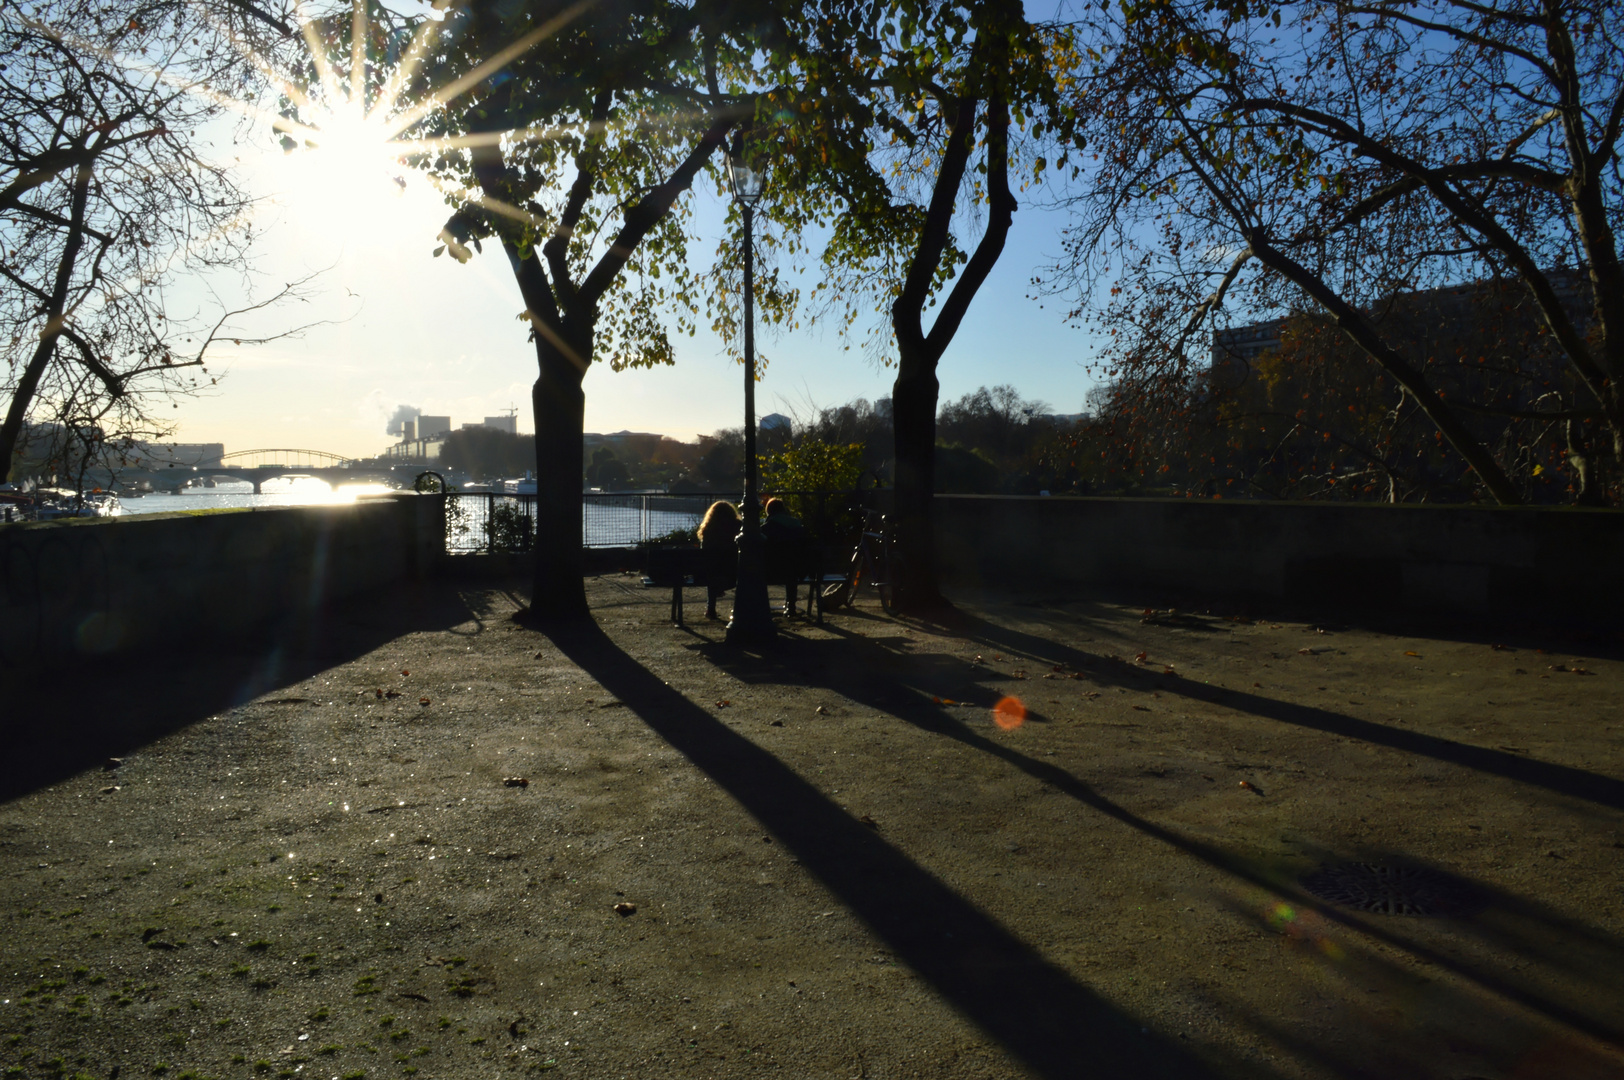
435 842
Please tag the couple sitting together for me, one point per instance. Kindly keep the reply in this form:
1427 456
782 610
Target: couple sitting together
783 540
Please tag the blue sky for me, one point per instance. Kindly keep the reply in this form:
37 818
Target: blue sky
445 337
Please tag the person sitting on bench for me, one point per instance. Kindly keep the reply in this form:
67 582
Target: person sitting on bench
719 540
784 540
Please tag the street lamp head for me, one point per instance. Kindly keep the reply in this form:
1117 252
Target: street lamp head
745 180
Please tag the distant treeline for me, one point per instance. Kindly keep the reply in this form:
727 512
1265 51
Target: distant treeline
991 441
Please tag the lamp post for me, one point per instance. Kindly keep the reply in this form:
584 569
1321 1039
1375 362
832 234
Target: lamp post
752 620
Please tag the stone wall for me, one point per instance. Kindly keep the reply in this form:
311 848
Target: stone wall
150 584
1552 563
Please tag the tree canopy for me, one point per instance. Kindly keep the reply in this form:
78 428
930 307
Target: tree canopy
105 197
1331 158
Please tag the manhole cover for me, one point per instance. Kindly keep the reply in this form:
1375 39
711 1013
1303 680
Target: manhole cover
1391 890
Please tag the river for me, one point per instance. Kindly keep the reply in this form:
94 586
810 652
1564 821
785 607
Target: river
609 520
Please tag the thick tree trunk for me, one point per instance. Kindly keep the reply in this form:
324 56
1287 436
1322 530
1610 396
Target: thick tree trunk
559 591
913 411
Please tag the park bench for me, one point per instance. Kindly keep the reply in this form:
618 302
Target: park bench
679 568
676 568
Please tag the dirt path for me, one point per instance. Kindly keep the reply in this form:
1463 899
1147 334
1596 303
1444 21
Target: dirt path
842 865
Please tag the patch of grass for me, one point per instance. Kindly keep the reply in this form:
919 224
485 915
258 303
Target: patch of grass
224 1021
397 1036
358 1074
237 1059
320 1014
257 946
385 1021
241 971
330 1048
445 1022
159 1068
262 1065
364 985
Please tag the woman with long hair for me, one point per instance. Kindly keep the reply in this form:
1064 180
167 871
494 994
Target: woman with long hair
719 539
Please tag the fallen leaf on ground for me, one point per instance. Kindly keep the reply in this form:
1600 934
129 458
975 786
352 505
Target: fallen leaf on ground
391 693
625 908
515 781
112 763
403 671
723 704
1409 652
422 701
1141 708
1253 788
870 822
109 790
1310 652
1140 657
378 694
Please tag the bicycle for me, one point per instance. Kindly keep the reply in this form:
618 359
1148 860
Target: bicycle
874 561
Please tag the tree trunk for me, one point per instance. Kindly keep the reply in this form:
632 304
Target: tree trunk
28 384
913 413
559 402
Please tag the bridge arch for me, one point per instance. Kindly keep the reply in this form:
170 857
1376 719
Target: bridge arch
283 459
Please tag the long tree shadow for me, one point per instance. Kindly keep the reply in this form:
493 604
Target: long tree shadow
57 724
866 671
1561 779
1042 1016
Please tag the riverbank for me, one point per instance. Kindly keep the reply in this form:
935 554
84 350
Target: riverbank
435 842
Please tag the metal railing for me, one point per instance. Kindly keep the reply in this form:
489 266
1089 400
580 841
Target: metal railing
489 522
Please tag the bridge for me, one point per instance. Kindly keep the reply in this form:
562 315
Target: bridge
258 466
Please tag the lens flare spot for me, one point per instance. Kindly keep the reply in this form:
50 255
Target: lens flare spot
1009 713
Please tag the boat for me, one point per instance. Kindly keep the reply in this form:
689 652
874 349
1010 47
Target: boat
527 486
53 504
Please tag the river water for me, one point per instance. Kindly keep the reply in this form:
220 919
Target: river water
236 495
608 520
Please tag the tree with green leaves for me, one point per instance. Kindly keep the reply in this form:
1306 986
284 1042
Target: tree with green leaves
567 133
909 130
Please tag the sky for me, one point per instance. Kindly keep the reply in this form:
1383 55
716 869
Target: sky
408 328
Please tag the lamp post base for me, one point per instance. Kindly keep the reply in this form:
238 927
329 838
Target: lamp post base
752 620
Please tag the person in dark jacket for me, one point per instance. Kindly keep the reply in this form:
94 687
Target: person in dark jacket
719 540
784 542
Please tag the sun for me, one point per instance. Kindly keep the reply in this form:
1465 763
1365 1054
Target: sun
341 177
